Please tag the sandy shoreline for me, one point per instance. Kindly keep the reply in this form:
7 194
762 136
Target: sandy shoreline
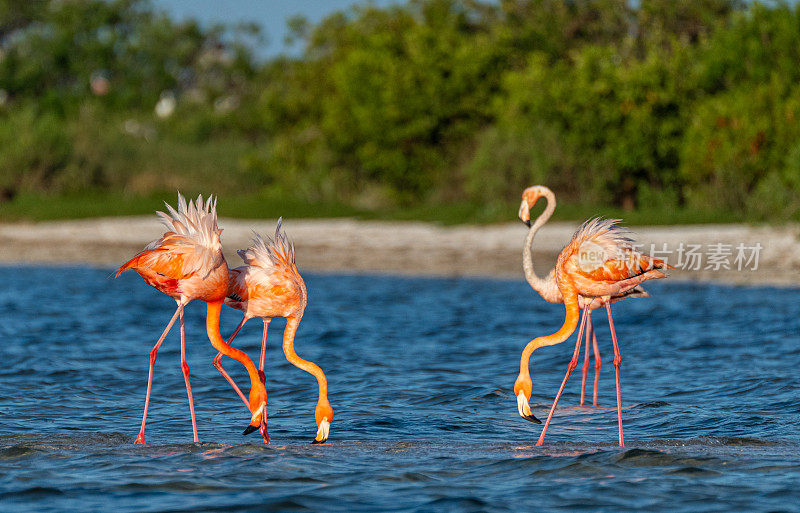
414 248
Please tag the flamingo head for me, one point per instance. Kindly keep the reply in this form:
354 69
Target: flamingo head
529 198
523 388
323 416
258 406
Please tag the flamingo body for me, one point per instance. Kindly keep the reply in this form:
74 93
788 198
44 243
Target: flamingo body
187 264
270 286
548 288
599 264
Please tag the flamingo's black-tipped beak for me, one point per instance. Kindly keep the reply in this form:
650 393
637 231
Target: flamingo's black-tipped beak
259 418
525 409
527 223
532 418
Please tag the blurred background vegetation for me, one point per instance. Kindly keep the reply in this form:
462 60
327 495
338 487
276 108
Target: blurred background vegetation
659 111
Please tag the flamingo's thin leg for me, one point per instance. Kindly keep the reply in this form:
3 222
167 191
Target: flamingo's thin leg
617 362
217 362
263 428
153 353
185 369
598 363
263 351
572 364
585 368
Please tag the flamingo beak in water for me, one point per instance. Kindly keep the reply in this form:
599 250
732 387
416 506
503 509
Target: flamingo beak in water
322 432
256 420
524 409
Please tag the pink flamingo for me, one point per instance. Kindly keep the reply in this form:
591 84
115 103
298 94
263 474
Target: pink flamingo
600 263
270 286
547 288
186 263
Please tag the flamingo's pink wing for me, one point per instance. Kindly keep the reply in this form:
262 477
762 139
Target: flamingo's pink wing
602 252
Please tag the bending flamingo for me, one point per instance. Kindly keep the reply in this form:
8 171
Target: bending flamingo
186 263
270 286
547 288
598 263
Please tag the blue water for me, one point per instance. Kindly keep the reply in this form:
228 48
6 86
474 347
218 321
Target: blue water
420 374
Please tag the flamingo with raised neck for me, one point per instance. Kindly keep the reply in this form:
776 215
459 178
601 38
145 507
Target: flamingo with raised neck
599 264
547 288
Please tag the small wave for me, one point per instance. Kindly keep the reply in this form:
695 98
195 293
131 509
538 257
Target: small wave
694 472
737 441
16 451
652 404
33 492
175 486
654 458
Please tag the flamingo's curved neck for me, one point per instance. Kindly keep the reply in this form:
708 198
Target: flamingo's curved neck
212 328
570 323
540 285
312 368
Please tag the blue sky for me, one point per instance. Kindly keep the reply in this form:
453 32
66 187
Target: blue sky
270 14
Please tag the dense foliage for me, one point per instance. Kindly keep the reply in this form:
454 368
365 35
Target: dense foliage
658 104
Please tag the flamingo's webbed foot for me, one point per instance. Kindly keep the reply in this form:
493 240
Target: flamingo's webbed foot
525 409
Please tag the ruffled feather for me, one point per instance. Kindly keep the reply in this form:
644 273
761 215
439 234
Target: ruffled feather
270 253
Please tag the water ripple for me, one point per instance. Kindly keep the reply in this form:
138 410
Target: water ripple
420 375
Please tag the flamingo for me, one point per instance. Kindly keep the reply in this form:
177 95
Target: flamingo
186 263
270 286
547 288
598 264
